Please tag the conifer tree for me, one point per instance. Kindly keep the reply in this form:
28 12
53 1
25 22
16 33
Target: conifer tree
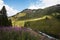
4 18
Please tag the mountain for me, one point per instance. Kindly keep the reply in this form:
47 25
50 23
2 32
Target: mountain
52 9
50 24
45 20
37 13
28 14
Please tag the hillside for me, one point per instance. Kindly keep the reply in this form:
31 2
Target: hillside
28 14
48 26
37 13
45 20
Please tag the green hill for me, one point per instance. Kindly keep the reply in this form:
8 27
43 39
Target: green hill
28 14
49 26
37 13
45 20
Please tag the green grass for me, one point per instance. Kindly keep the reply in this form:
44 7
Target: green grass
22 22
49 26
18 23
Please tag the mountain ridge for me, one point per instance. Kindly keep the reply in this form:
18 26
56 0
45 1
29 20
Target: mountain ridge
39 12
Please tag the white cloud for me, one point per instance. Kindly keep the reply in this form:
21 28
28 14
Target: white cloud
33 6
43 4
10 10
1 4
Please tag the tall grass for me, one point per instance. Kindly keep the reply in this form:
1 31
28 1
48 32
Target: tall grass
16 33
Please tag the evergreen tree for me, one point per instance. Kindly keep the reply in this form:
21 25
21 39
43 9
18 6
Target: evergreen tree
3 17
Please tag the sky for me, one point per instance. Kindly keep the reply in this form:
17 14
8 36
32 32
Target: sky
15 6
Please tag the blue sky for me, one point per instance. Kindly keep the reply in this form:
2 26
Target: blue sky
15 6
19 4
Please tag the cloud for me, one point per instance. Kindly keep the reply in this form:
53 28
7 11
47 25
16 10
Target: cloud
1 4
43 4
9 9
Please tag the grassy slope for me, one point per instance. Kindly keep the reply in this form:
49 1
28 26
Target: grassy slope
22 22
15 22
48 25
